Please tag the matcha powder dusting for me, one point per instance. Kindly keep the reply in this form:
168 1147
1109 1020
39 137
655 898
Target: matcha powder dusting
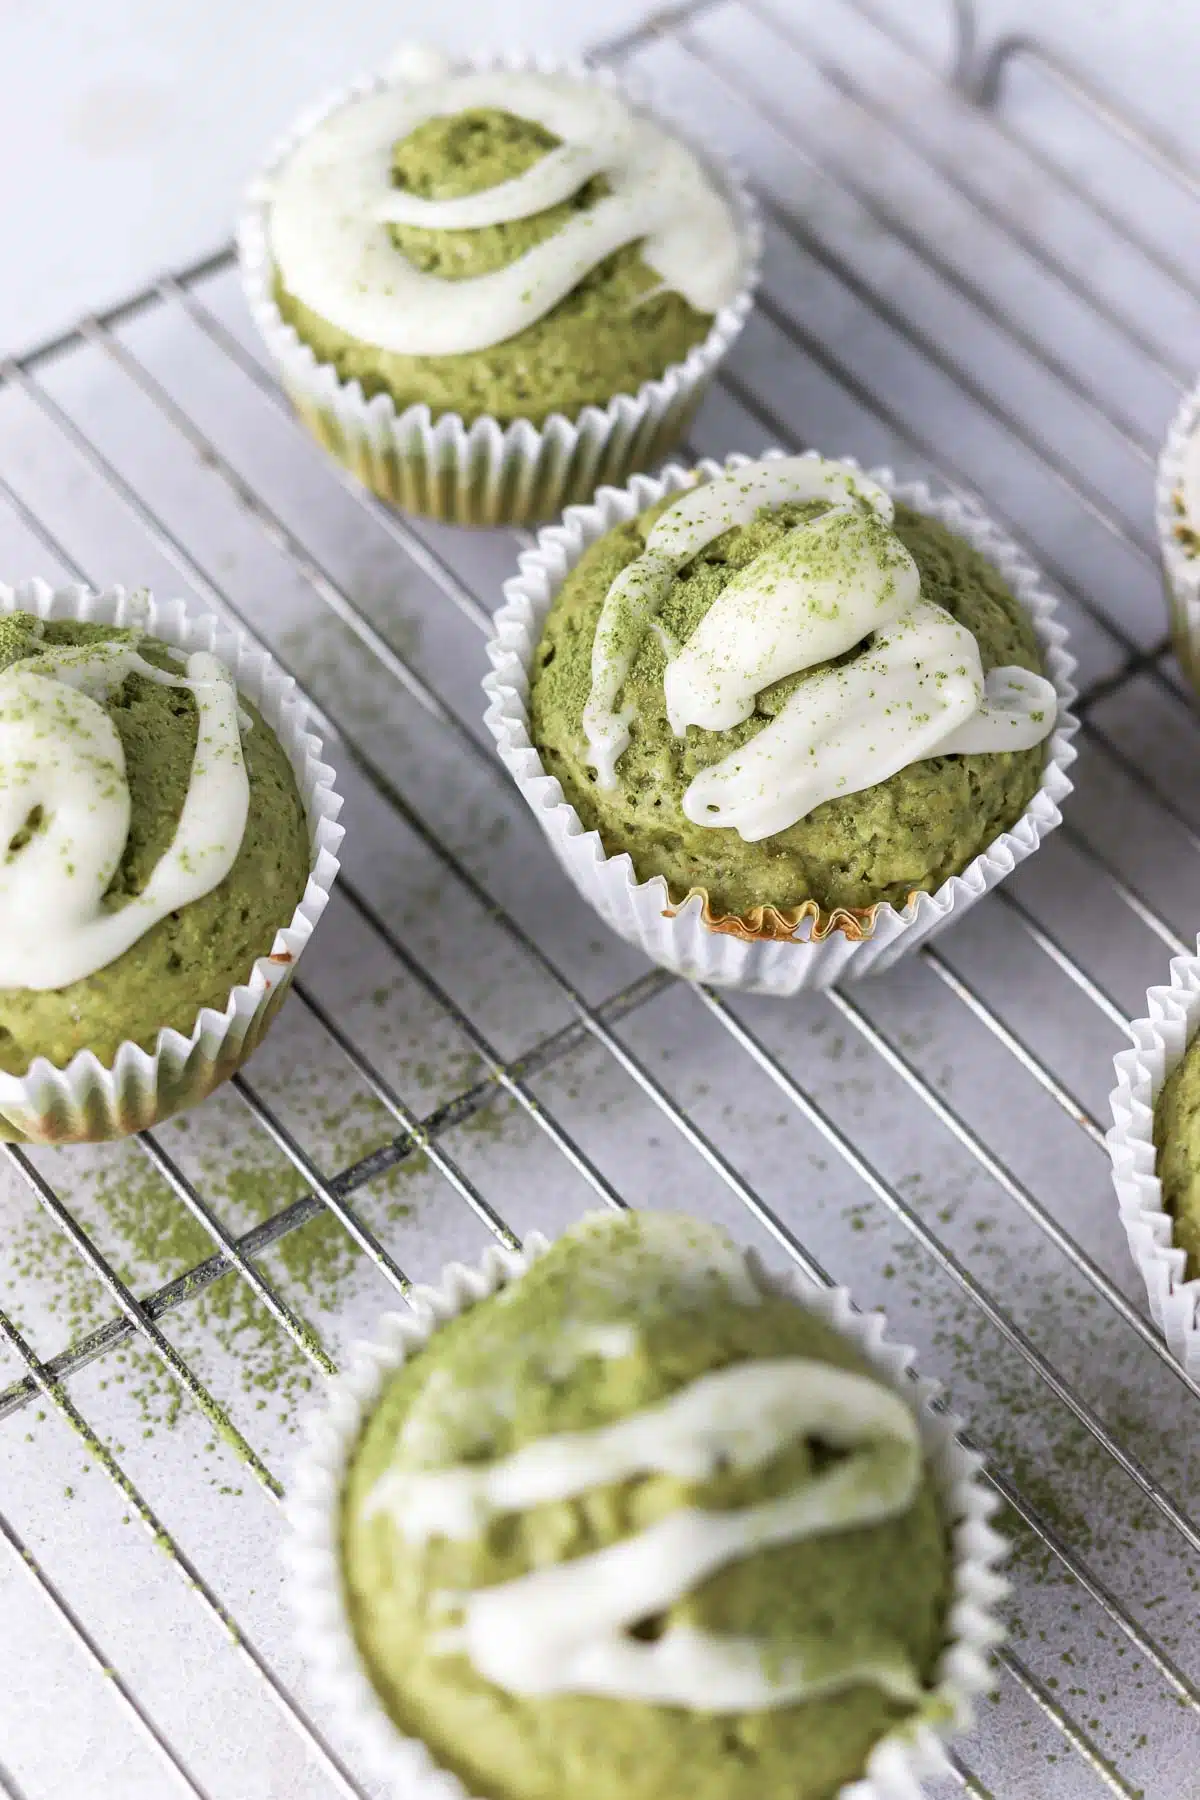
911 831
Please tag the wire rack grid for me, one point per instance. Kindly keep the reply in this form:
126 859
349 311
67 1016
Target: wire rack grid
992 278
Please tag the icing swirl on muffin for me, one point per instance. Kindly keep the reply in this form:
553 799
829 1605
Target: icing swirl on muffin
569 1627
66 810
836 582
334 198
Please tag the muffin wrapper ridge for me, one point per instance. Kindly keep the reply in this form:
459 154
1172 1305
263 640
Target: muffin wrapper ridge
897 1763
485 473
1159 1044
1181 571
780 953
87 1102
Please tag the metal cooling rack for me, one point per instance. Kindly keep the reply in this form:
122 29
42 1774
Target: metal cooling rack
993 278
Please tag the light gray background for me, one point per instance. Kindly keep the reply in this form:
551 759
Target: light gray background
130 126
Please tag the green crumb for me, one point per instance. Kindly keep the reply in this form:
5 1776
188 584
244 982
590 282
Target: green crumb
190 959
617 329
910 832
1177 1145
522 1366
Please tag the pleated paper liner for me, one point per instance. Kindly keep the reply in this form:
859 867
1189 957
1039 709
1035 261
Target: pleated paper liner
1178 539
772 951
1160 1042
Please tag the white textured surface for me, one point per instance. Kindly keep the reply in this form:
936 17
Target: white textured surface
134 125
63 1735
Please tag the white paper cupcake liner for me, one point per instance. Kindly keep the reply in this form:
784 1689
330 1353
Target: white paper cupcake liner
1159 1044
485 473
87 1102
898 1762
643 912
1181 568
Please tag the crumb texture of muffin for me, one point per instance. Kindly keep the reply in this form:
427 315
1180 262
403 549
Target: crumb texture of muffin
193 957
909 832
1177 1148
617 328
624 1317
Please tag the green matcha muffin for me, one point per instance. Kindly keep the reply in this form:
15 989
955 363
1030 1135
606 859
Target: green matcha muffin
616 330
158 842
914 830
784 646
489 290
639 1519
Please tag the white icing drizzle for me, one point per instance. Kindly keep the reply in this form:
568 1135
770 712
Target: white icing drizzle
815 594
412 62
333 198
830 583
741 1416
609 1342
566 1628
60 753
847 728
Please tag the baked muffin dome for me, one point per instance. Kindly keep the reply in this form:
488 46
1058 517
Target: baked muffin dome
562 1449
909 831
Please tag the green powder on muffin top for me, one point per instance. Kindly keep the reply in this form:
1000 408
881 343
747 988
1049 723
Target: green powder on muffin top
623 1316
911 831
1177 1143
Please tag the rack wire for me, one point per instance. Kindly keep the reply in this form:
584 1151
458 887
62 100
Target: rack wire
987 278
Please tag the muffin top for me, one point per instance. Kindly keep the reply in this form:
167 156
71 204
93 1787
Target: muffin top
154 838
634 1517
785 691
508 241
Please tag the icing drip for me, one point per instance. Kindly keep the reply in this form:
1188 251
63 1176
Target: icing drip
677 536
831 583
334 197
566 1628
65 806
